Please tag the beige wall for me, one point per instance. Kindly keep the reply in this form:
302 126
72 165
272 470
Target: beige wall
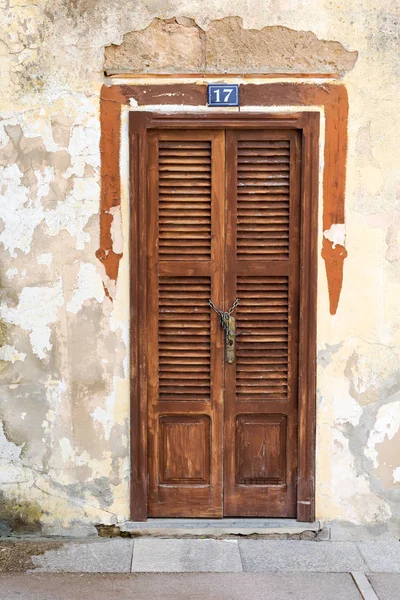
64 402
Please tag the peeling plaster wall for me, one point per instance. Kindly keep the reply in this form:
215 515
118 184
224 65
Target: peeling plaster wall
64 402
171 45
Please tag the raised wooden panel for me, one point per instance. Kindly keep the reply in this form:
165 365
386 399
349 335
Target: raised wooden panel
184 338
185 450
261 449
263 177
262 346
184 199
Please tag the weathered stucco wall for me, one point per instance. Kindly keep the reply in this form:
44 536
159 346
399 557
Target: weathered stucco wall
64 402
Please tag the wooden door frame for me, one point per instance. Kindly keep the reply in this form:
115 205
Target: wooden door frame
308 123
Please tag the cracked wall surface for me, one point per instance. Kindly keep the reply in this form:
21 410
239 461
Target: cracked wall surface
64 312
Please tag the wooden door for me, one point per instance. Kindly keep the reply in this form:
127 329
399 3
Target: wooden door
222 222
184 347
262 270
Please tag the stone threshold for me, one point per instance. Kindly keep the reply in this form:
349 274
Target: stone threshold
222 528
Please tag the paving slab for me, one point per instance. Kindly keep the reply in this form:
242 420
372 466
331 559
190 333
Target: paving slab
381 556
179 586
351 532
16 555
386 585
105 556
186 556
287 555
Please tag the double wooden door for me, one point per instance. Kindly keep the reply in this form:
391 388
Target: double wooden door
223 214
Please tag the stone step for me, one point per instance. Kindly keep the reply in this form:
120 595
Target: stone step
272 528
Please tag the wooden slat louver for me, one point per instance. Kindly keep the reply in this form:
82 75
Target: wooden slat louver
262 348
263 199
184 338
184 199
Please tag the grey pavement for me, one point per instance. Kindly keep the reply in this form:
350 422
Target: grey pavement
288 555
186 556
113 556
170 568
385 585
179 586
381 556
207 555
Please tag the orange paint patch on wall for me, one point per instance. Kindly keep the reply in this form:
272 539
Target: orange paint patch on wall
334 189
110 140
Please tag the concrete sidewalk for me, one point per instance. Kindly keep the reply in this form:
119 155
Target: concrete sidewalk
199 568
179 586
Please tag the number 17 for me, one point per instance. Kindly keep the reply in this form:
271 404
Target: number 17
226 91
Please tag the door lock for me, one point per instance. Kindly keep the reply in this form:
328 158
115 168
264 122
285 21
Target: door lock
230 340
228 326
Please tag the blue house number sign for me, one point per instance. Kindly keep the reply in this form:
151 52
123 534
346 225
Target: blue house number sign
223 95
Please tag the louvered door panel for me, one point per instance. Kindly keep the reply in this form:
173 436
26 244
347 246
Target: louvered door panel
262 347
263 171
184 200
184 339
185 355
263 200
